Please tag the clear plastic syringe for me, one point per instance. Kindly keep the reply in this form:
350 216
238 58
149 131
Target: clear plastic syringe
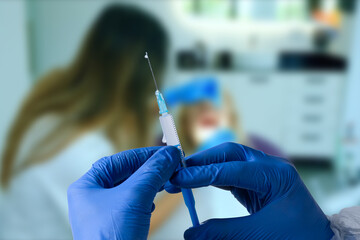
172 139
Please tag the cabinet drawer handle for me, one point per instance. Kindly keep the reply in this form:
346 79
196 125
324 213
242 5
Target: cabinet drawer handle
310 137
314 99
312 118
259 79
316 80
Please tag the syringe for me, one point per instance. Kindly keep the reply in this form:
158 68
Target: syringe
171 138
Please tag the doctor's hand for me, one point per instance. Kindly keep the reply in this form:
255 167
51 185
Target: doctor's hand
114 199
279 204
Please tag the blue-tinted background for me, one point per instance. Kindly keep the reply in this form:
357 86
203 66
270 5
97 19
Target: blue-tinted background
286 75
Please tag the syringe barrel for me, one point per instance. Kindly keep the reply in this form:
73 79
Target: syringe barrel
172 139
170 133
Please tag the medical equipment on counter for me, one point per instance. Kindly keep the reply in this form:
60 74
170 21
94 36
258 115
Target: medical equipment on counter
171 138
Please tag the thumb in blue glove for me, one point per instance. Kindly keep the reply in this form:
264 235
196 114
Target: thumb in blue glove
114 199
269 187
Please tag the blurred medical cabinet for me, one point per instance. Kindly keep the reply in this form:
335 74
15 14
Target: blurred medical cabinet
284 66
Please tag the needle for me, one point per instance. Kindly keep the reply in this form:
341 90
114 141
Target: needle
152 73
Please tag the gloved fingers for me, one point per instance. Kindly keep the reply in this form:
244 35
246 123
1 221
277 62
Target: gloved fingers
156 171
153 207
226 152
226 188
198 232
249 199
227 228
170 188
242 195
112 170
246 175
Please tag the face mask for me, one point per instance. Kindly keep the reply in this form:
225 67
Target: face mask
202 134
214 136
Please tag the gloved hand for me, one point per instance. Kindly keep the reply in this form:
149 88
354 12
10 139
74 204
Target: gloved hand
279 203
114 199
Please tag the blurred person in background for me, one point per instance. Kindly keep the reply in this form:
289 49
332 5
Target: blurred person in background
96 106
207 117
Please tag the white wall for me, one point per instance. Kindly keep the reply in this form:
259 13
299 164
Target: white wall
57 29
14 75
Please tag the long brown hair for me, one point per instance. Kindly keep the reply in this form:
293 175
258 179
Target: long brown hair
107 85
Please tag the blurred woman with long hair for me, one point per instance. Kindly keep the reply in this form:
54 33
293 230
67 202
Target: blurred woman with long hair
96 106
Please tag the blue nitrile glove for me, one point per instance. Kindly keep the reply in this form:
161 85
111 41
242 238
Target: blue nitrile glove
114 199
279 203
